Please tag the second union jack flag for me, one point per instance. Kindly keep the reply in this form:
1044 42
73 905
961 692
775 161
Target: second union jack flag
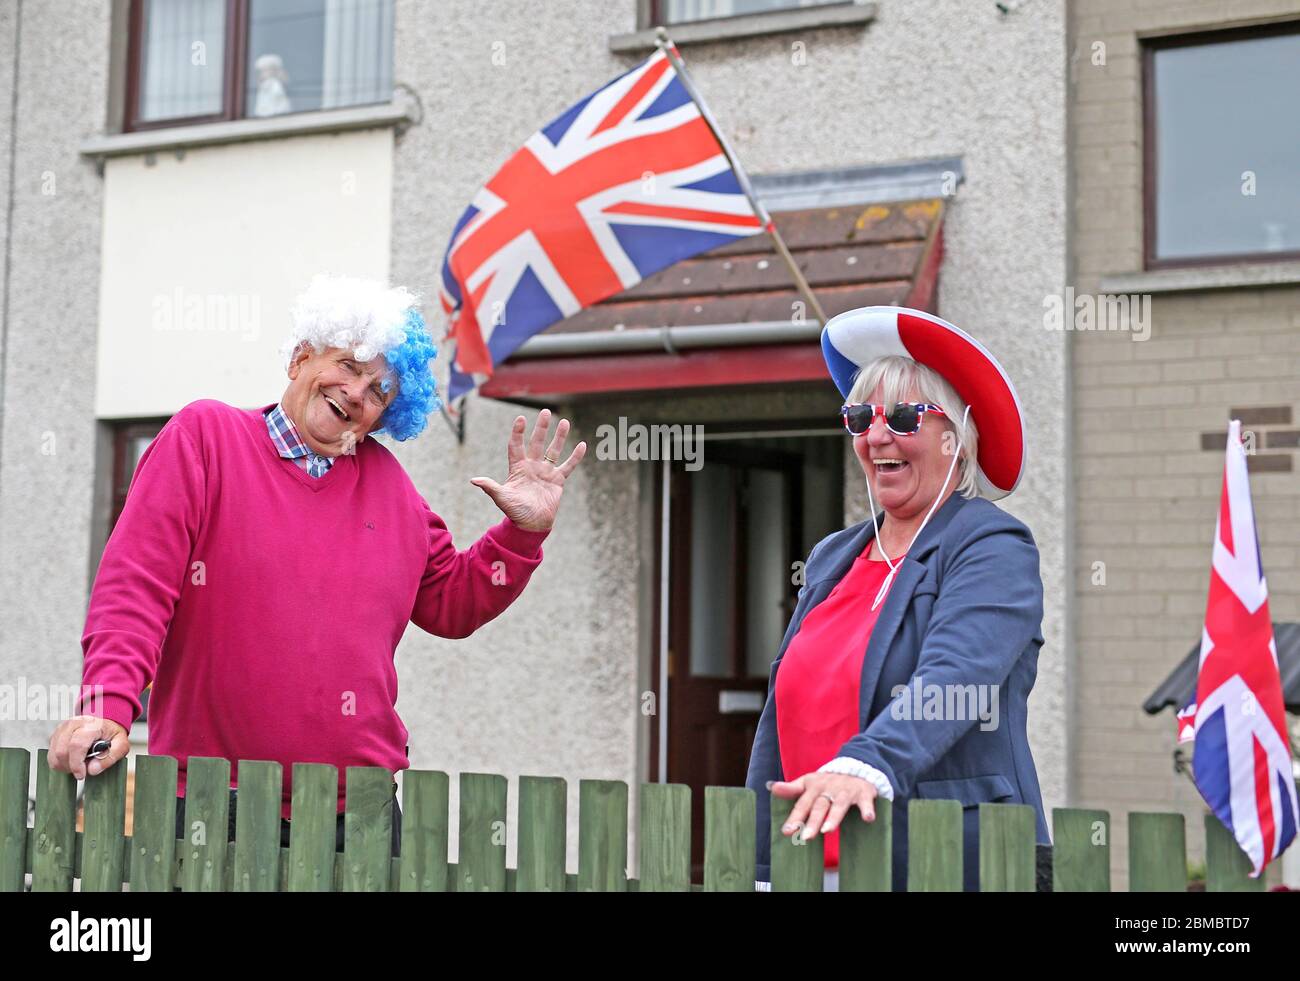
1242 760
625 183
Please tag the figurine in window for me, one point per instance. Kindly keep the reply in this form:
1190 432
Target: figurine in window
272 99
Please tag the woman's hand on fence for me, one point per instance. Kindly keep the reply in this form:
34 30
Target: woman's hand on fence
530 496
72 741
824 799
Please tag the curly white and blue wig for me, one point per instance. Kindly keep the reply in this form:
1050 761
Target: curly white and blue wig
371 320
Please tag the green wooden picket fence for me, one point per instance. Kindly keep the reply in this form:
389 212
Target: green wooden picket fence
54 853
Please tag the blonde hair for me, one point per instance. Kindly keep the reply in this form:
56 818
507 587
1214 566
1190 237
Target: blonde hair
897 377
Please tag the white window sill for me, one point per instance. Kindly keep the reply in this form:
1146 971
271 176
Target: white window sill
181 138
1193 278
850 14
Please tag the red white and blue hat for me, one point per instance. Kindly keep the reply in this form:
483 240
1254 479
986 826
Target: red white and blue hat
855 338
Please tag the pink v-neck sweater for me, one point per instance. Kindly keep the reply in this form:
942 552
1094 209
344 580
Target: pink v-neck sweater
266 605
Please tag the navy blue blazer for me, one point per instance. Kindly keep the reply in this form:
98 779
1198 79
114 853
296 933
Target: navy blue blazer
966 608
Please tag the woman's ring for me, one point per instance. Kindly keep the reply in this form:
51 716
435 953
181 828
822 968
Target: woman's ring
550 461
827 796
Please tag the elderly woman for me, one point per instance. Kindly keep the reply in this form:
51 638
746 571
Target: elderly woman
909 659
268 560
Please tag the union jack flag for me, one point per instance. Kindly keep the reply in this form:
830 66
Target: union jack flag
621 185
1242 761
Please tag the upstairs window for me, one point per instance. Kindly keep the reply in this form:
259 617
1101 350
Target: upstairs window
1222 150
685 11
199 61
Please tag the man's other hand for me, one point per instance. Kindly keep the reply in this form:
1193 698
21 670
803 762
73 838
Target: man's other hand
531 494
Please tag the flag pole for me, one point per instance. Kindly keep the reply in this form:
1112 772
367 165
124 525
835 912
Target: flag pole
455 422
670 52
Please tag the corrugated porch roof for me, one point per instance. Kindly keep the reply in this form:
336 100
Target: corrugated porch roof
733 316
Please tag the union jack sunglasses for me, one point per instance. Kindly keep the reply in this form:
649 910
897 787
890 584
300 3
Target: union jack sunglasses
904 419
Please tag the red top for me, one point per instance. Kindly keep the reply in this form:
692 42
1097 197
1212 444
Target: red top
819 681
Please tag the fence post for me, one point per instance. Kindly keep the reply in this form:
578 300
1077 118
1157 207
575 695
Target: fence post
797 865
730 815
103 839
15 772
1007 856
481 866
257 827
1157 853
934 846
425 830
54 835
367 829
1080 850
313 824
1227 867
153 824
664 840
207 811
540 852
867 850
602 836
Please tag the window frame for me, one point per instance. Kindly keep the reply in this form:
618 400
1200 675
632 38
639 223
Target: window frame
1150 47
123 433
655 13
234 64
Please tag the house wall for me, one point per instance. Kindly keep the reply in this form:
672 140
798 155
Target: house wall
553 686
203 254
1147 489
53 200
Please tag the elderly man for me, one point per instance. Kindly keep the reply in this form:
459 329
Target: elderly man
267 561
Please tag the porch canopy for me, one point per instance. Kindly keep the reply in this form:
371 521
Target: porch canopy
1180 687
732 316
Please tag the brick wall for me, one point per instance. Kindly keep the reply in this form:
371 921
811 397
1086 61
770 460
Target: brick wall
1148 419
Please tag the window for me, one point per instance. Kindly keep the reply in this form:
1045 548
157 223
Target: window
197 61
127 443
685 11
130 440
1221 147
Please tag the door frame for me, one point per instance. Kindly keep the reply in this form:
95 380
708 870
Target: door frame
656 539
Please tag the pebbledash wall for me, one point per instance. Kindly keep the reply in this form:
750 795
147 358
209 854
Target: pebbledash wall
1148 469
552 687
558 681
50 204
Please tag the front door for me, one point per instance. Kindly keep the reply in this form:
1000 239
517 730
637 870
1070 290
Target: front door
738 527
